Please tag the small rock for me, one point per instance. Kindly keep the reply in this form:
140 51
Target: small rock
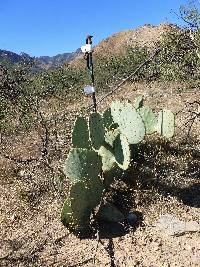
173 226
189 247
13 218
24 174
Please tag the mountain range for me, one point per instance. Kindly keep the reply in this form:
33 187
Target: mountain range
42 62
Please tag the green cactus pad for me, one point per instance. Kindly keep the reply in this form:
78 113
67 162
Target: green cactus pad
166 123
149 119
66 214
108 159
107 118
82 164
96 187
76 212
129 121
97 131
111 135
80 135
122 152
81 208
80 203
138 103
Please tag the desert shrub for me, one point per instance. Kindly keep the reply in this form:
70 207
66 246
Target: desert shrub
14 81
110 69
177 59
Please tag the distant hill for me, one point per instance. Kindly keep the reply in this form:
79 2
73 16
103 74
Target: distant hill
146 36
43 62
46 62
8 56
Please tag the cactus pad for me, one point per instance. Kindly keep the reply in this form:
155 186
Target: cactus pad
108 159
107 118
96 130
96 188
166 123
80 134
122 151
82 164
129 121
76 212
149 119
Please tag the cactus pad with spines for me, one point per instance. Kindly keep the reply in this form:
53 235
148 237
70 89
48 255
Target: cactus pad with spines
82 164
84 196
80 206
129 121
96 187
149 119
166 123
108 159
122 151
80 134
97 131
107 118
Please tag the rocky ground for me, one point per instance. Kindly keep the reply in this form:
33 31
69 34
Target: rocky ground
32 196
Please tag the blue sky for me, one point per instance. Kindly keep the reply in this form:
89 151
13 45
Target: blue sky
49 27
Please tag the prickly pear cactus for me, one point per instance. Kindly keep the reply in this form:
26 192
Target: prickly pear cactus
76 212
80 134
129 121
101 153
149 119
82 164
166 123
97 132
122 152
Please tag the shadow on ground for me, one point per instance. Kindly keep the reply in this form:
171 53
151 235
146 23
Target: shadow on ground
172 169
